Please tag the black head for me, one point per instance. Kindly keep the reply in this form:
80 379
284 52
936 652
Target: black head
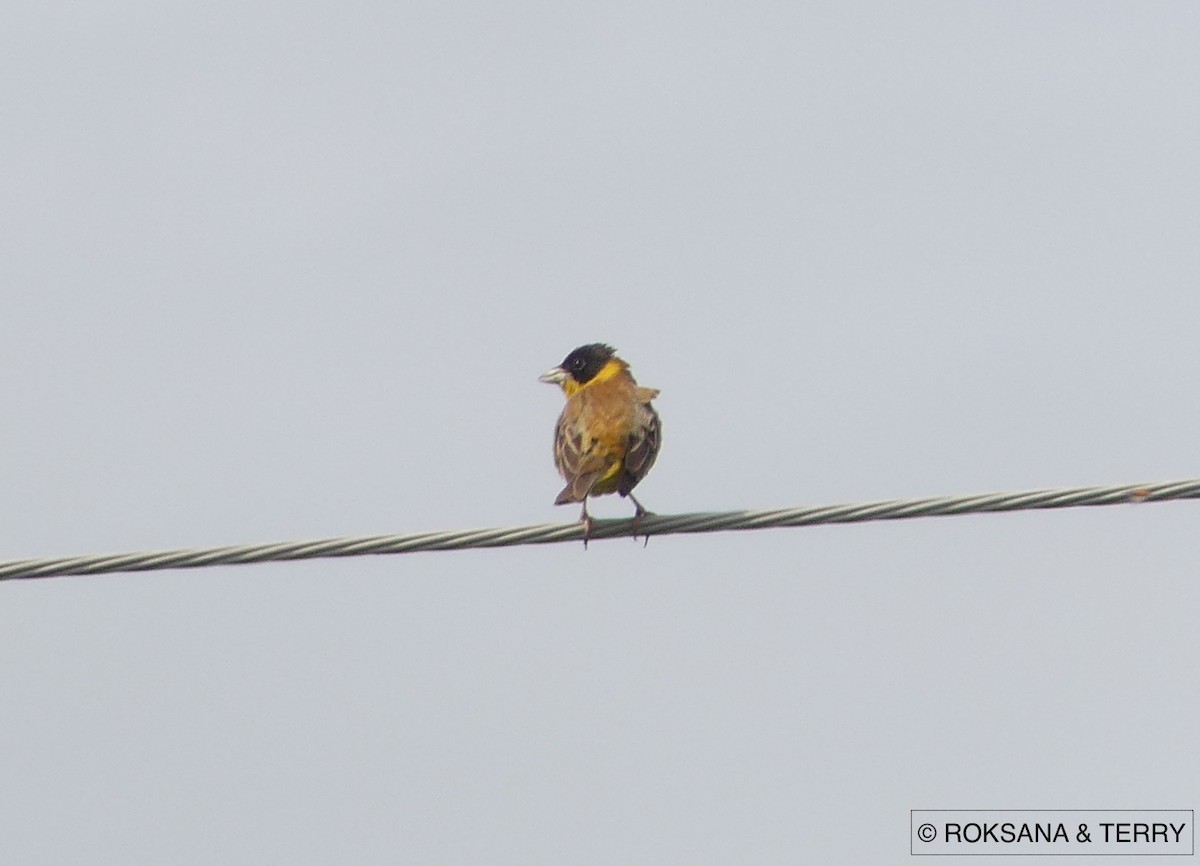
585 362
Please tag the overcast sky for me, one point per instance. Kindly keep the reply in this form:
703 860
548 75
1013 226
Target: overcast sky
274 271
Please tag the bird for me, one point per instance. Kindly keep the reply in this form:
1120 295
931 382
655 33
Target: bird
608 434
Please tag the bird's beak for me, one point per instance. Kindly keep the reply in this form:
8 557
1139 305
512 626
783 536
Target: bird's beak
554 376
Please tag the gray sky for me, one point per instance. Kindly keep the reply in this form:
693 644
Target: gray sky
286 271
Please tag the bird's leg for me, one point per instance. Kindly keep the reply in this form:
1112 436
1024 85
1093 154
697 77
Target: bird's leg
637 520
587 523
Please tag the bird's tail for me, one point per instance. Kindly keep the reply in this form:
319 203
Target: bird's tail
578 489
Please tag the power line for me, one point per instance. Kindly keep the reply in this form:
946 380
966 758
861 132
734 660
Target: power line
651 524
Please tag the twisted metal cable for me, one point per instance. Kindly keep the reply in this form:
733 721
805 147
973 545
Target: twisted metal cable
650 524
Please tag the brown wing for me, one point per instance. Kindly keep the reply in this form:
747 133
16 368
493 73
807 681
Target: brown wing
574 458
643 446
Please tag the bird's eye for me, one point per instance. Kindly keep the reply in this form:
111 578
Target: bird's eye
578 364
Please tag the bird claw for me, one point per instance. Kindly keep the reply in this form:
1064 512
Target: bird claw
637 523
586 520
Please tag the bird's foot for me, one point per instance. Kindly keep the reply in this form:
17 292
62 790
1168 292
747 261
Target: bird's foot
586 520
637 520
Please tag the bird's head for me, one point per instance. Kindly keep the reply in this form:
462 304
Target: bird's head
594 362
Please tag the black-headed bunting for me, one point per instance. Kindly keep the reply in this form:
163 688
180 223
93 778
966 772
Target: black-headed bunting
608 434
